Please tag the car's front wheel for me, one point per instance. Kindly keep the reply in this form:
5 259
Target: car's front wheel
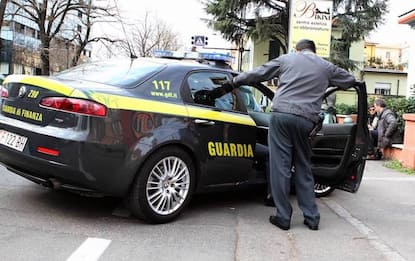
164 186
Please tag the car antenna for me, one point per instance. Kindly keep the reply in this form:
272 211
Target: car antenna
132 54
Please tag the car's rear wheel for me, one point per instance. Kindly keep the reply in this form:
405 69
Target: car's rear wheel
164 186
321 190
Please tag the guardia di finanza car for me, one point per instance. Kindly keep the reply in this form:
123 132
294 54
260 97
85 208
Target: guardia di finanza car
135 129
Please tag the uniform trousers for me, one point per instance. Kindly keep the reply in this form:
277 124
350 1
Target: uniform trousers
289 143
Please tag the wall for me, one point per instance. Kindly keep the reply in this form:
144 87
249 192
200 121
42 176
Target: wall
260 53
357 53
410 91
398 80
346 97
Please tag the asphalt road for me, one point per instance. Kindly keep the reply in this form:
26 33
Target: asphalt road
377 223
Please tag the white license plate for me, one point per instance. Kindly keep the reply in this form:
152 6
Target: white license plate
12 140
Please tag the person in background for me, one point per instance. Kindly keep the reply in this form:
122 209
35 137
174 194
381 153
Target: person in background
329 108
387 126
303 78
372 124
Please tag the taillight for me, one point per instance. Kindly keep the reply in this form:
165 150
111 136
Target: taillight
4 92
48 151
74 105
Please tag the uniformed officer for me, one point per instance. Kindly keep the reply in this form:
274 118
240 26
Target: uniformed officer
303 78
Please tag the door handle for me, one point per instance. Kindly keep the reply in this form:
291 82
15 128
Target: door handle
204 122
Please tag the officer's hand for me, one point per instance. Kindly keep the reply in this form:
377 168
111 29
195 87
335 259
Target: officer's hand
208 97
228 86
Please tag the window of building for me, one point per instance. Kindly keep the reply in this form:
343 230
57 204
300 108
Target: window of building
31 32
388 55
383 88
79 28
86 53
20 28
18 68
4 68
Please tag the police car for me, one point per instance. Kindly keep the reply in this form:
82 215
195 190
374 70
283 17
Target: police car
132 129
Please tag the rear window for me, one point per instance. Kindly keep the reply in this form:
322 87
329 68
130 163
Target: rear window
125 73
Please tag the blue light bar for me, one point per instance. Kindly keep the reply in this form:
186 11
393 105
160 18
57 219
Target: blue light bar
216 57
194 55
163 53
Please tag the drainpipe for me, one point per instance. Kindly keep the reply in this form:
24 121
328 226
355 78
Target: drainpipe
397 88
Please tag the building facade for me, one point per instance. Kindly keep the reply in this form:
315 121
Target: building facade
21 45
385 69
409 19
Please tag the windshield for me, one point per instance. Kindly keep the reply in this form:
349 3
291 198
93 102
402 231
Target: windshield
123 73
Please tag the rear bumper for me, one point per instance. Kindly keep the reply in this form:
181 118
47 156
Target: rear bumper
60 176
89 159
82 165
55 183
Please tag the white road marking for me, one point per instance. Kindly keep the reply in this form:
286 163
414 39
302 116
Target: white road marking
390 178
388 252
90 250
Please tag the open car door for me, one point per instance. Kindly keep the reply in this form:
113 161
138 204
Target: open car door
339 149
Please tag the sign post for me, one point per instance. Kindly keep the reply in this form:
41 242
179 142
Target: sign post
199 40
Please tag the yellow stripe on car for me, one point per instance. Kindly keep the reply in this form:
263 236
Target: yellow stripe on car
206 113
135 104
43 82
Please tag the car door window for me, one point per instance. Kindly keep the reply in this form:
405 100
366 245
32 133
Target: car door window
254 100
205 81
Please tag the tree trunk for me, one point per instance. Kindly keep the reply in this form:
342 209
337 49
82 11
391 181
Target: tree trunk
44 57
77 56
3 4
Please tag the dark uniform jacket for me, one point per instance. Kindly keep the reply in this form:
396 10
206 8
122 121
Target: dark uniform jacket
303 78
387 128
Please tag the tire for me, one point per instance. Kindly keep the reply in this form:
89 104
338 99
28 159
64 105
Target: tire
163 187
321 190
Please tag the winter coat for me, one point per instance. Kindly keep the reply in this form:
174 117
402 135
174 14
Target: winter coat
387 128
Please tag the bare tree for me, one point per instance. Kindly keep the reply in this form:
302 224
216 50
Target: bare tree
150 34
52 18
49 15
3 4
92 15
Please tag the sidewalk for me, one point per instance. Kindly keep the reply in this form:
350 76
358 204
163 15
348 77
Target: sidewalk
376 168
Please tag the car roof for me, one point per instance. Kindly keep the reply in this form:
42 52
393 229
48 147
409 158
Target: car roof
193 63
